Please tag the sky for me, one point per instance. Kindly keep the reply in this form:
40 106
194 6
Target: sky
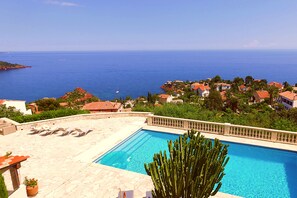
82 25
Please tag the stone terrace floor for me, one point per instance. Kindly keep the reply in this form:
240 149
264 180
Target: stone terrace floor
63 165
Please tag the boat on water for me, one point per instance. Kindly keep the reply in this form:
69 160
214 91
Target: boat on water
117 92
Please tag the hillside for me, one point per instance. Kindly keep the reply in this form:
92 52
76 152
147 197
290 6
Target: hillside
8 66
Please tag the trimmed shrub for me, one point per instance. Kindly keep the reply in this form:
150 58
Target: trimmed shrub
3 190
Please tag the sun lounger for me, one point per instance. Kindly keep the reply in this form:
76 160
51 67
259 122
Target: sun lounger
45 132
36 130
126 194
67 131
81 132
51 131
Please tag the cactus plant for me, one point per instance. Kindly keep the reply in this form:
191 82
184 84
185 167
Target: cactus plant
194 168
3 190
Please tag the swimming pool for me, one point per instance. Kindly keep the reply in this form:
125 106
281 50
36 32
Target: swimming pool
252 171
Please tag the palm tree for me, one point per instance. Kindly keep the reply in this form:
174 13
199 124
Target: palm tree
273 92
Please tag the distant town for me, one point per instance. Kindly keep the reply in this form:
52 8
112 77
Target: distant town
230 97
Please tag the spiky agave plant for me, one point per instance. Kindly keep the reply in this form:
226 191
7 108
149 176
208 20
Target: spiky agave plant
194 168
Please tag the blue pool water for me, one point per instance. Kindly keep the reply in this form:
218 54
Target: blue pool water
252 171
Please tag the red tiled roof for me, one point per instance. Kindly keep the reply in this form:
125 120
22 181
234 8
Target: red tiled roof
63 104
276 84
223 95
97 106
242 86
289 95
222 84
263 94
2 101
200 86
164 96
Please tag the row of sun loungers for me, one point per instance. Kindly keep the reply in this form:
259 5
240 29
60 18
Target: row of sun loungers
46 130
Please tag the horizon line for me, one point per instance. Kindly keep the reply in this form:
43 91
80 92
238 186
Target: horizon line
151 50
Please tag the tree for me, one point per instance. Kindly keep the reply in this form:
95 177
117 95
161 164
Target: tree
216 79
214 100
47 104
128 98
286 84
233 103
9 112
273 93
259 85
249 80
238 81
149 98
194 168
3 189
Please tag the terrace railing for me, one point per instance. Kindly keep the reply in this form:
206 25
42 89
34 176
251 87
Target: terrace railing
227 129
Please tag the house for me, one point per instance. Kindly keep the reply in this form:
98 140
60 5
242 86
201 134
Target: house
288 99
276 84
17 104
222 86
242 88
200 89
223 96
177 101
165 98
105 106
34 107
260 96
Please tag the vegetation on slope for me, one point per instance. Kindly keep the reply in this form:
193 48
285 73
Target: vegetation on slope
261 117
48 115
6 66
8 112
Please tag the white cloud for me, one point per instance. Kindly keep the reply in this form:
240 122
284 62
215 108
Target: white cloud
62 3
257 44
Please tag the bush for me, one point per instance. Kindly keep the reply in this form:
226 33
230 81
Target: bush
259 115
9 112
48 115
3 190
47 104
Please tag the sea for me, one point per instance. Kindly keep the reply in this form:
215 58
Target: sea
117 74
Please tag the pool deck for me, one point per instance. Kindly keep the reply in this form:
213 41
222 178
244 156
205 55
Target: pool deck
64 165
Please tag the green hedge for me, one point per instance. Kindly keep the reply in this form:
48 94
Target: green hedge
3 190
48 115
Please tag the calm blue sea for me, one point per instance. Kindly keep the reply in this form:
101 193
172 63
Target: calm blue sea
134 73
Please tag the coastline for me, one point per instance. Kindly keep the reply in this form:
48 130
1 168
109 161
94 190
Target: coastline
15 67
10 66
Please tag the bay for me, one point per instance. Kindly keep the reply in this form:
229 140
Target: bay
135 73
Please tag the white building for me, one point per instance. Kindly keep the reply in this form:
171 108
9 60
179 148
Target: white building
18 105
200 89
222 86
288 99
165 98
